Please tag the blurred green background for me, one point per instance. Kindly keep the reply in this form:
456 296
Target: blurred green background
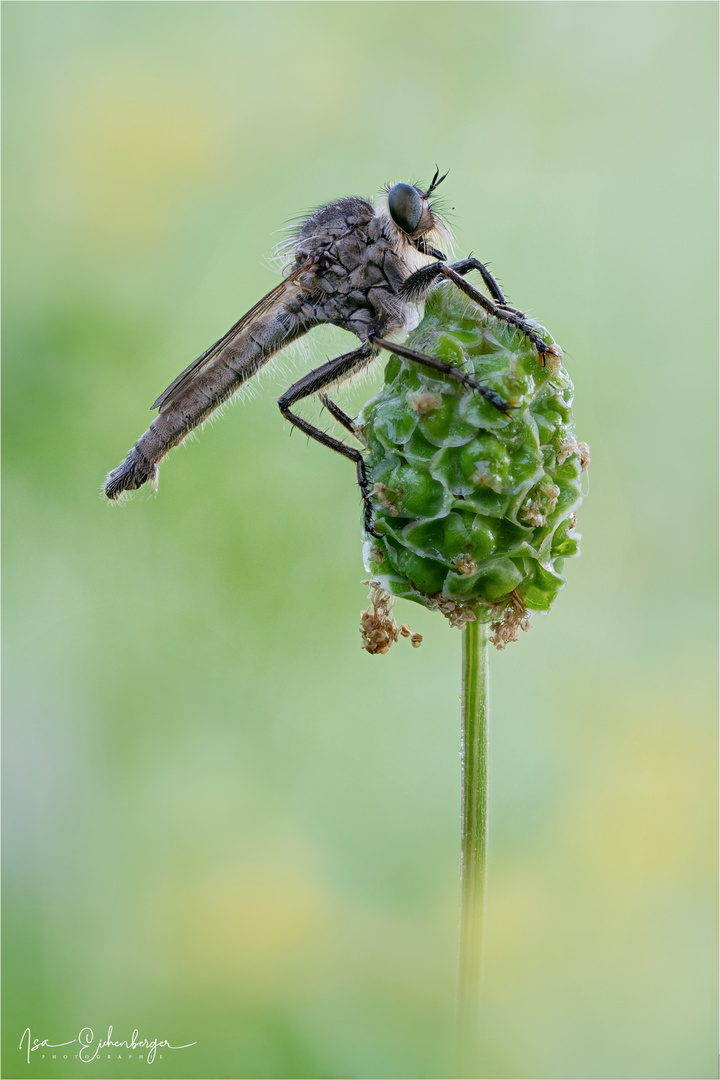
224 823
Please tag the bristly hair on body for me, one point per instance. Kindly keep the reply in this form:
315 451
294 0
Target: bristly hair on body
360 266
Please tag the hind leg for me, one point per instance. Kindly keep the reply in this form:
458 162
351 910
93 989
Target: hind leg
342 367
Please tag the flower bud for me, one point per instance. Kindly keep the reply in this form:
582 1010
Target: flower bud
475 507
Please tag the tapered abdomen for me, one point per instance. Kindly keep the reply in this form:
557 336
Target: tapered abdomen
195 394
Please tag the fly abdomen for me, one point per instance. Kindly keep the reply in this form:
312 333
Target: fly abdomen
166 431
200 390
135 471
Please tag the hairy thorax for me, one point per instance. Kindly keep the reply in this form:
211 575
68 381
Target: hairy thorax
356 261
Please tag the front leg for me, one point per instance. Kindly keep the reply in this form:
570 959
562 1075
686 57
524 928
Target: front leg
466 265
500 311
423 281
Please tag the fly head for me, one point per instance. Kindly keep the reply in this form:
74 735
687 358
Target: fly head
410 210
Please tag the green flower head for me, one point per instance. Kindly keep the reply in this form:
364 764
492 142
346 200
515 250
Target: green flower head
476 508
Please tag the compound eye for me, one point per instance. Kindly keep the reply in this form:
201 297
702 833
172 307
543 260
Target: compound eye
405 206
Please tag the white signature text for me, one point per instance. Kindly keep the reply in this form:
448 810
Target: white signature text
89 1048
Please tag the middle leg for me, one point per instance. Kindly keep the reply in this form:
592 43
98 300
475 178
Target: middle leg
443 366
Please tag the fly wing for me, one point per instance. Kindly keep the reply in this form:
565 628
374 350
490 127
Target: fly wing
178 386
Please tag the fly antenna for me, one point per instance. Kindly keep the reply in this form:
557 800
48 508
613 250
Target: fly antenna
435 182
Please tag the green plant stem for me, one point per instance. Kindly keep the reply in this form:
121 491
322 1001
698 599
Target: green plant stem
473 842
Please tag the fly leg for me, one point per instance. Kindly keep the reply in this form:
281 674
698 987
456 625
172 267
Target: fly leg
423 281
419 284
342 417
501 311
432 362
342 367
466 265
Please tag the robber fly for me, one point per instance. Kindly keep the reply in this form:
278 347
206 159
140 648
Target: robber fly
362 267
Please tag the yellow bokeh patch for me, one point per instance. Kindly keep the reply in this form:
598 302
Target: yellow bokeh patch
133 150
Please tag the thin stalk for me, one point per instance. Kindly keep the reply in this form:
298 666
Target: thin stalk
473 842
